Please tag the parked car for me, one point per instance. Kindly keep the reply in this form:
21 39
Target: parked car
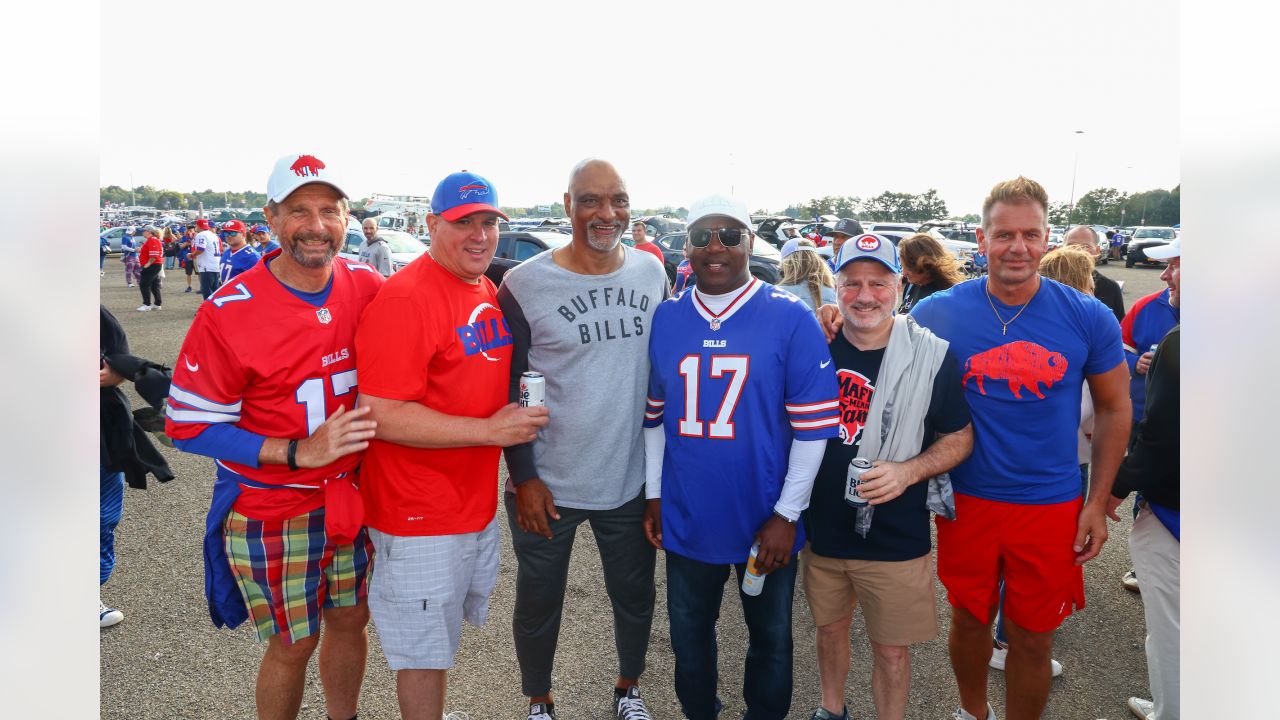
1146 237
764 262
905 227
516 246
112 236
404 247
767 228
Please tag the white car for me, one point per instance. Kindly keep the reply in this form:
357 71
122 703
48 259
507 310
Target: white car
404 247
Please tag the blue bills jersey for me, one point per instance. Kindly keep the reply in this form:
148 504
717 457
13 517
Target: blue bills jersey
731 392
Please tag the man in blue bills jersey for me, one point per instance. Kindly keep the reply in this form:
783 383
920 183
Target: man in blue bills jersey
748 381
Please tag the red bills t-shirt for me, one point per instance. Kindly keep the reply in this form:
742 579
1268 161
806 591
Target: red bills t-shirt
152 252
433 338
261 358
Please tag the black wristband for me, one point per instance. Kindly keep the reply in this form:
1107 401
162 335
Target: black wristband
293 454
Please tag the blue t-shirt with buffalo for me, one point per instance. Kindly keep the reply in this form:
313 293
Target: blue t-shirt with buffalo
1023 386
899 528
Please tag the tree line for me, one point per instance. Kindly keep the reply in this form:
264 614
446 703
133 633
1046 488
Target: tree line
1108 206
1100 206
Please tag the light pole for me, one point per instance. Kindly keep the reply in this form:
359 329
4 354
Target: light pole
1071 207
1125 203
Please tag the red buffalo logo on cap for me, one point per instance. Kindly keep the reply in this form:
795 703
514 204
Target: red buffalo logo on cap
472 189
868 243
307 165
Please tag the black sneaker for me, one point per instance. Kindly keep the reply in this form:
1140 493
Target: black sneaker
542 711
630 706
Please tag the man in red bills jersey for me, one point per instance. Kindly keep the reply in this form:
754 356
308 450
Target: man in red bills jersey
265 384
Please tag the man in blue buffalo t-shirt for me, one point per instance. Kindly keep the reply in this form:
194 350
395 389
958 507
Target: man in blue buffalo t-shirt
1026 346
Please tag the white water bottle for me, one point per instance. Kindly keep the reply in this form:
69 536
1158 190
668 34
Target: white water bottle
752 580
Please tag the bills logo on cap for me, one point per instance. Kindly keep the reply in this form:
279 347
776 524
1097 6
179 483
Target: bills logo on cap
323 315
307 165
477 189
868 243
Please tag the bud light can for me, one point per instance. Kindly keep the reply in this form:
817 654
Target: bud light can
857 467
533 390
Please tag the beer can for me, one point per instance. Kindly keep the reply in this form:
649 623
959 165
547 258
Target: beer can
857 467
1154 346
752 580
533 390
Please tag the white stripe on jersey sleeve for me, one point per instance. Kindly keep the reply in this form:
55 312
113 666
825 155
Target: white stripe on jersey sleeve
189 398
196 416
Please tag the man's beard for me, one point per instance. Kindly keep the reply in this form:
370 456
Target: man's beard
313 262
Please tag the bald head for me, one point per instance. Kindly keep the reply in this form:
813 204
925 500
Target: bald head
1083 236
370 228
597 204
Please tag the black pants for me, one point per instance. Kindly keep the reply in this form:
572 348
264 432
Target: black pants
542 573
150 284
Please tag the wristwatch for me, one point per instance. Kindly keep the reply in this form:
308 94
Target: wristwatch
784 518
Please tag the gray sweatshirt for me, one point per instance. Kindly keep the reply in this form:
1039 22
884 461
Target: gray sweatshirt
589 337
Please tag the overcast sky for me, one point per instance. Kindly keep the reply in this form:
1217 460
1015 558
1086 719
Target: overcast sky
776 102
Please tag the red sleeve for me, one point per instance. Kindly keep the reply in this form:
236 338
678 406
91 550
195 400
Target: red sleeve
1126 325
393 350
208 382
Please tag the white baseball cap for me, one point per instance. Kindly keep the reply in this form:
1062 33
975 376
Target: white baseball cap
719 205
295 170
1164 252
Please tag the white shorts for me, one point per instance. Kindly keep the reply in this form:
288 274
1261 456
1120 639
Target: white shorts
423 587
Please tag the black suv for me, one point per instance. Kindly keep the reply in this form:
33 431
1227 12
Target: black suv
1144 238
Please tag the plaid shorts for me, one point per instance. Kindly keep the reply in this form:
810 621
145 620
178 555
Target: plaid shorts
287 572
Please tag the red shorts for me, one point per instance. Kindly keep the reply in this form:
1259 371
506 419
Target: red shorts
1030 545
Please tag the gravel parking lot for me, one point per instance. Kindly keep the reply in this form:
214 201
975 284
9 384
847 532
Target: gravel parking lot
167 661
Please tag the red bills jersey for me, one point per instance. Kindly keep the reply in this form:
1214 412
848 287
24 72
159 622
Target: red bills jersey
263 359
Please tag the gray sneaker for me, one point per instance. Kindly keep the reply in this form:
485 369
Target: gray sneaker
1144 709
822 714
630 706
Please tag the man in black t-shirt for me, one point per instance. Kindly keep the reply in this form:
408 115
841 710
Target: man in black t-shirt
886 566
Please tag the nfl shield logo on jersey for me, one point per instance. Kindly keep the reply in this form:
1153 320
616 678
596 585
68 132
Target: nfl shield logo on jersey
323 314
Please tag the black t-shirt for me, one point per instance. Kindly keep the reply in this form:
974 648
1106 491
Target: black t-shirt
915 293
900 527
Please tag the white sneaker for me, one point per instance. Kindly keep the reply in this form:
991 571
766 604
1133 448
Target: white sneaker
960 714
1144 709
1130 581
108 616
155 307
999 655
144 308
457 715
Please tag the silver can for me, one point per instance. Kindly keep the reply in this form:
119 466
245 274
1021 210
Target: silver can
857 467
533 390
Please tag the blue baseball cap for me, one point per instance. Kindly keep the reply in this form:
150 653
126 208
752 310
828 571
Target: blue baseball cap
463 193
870 246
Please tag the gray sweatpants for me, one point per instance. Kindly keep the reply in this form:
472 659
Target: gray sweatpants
628 563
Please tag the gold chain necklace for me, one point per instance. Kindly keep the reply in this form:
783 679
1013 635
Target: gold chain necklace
1004 326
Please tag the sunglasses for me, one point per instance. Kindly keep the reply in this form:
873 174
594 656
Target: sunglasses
729 237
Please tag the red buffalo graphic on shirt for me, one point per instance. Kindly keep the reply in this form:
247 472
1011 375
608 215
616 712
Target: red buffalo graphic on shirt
1024 364
307 165
855 401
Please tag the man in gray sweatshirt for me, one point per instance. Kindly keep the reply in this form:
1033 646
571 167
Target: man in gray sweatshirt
581 316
